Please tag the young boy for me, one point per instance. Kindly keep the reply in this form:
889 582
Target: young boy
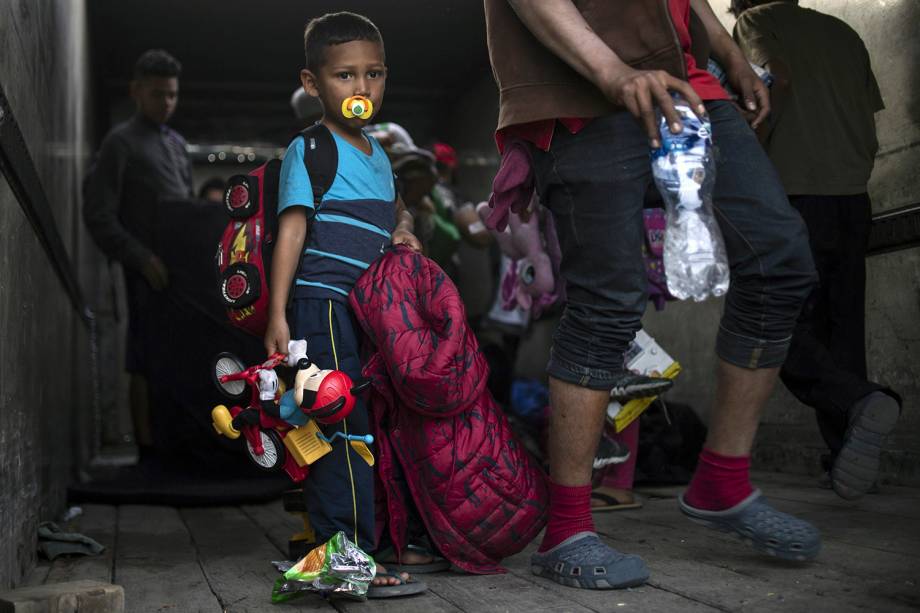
324 249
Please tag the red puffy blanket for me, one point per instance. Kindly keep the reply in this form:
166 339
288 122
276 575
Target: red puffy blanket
479 493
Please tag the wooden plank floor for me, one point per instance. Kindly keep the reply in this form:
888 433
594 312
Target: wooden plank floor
186 560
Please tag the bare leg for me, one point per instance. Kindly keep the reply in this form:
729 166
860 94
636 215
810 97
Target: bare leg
740 397
720 481
575 428
140 411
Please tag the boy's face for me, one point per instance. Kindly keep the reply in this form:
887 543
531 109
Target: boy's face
156 97
355 68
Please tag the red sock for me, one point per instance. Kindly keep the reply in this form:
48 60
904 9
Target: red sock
720 481
569 513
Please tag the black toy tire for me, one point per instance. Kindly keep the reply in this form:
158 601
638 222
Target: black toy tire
239 285
240 196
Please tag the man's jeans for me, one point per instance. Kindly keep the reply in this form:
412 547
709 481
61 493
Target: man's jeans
594 183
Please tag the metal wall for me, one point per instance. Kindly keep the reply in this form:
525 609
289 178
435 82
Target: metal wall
45 417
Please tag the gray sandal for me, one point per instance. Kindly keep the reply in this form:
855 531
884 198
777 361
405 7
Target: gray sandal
762 527
584 561
855 470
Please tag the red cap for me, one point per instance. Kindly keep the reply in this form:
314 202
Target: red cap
445 154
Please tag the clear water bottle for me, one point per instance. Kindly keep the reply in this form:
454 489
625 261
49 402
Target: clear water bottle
695 262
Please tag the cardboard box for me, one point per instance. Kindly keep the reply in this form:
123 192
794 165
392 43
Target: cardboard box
645 357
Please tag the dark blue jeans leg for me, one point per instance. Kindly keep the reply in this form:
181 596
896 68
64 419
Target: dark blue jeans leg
594 183
772 272
339 490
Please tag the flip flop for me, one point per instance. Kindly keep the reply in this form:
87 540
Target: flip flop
403 588
437 565
609 496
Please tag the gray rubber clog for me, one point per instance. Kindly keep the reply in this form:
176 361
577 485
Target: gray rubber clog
855 469
584 561
761 526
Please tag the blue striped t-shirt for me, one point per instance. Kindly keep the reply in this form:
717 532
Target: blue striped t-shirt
353 223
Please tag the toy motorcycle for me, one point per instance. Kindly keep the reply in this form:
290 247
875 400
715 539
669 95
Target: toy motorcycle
279 428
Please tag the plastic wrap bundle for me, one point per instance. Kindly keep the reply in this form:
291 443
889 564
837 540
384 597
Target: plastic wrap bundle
684 169
338 567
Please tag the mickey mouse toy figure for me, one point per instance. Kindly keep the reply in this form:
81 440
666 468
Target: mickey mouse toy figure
327 396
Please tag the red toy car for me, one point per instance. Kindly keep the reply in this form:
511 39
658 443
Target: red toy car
243 257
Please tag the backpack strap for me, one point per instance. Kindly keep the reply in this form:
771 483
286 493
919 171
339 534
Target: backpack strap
321 158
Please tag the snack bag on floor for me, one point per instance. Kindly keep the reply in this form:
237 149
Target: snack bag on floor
337 567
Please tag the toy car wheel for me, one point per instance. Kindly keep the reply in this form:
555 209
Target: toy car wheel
240 285
240 196
229 364
272 457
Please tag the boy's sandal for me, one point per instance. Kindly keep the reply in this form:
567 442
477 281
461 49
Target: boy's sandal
762 527
613 499
438 564
405 587
584 561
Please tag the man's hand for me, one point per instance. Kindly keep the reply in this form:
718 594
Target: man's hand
277 336
156 274
404 237
641 90
754 95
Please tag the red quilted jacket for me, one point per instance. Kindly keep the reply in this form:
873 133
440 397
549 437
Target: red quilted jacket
480 495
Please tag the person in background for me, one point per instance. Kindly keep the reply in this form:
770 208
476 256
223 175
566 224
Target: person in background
212 190
821 137
141 161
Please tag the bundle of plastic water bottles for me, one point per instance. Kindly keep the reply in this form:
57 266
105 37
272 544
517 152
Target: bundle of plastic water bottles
695 262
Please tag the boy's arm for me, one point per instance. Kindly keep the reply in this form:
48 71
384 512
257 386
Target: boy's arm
292 232
740 75
405 226
563 30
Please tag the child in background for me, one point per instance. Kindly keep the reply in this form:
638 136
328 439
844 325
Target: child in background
324 249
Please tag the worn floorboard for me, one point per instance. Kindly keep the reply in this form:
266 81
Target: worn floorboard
277 524
890 500
671 544
38 575
861 529
236 557
157 564
100 523
219 560
646 598
500 593
429 602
